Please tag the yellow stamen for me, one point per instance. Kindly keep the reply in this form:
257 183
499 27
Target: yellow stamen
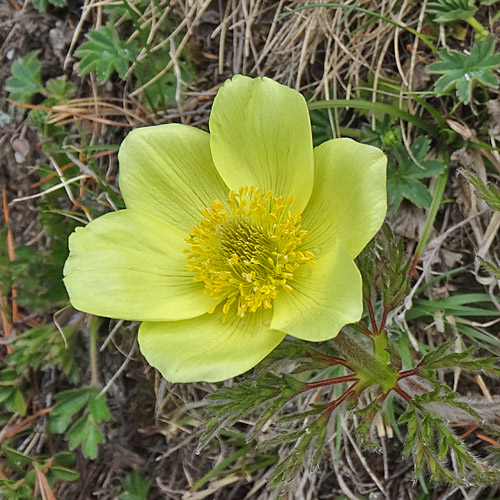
246 251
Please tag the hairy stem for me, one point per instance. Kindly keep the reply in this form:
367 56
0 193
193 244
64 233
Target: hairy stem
353 352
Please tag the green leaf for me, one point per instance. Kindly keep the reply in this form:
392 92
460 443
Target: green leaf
94 437
85 433
14 490
61 90
25 80
59 423
105 53
136 487
6 392
445 11
18 405
403 179
99 409
489 193
64 473
462 71
72 401
41 5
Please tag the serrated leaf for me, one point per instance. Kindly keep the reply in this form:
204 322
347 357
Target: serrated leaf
462 72
61 90
25 80
85 432
72 401
135 486
105 53
99 409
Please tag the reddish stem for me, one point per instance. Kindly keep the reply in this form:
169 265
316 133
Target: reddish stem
372 317
408 373
366 331
332 359
402 393
334 404
330 381
413 265
383 320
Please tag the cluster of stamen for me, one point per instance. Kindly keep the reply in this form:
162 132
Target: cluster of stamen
246 250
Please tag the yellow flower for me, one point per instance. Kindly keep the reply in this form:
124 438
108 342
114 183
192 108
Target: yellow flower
233 239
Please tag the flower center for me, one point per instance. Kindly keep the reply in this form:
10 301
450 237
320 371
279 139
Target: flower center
246 251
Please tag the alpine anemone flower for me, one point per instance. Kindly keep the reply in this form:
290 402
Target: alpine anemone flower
232 239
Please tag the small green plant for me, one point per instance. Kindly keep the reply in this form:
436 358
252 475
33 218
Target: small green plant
42 5
40 348
44 347
25 81
39 274
463 72
35 473
105 53
404 180
85 431
446 11
135 487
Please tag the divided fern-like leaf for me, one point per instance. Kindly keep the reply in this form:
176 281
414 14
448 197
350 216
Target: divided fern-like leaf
441 358
489 193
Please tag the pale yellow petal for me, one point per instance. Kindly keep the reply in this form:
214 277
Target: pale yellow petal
205 348
325 297
167 171
260 135
131 265
349 200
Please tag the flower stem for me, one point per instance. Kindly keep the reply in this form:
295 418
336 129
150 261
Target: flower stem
94 324
335 403
365 330
373 321
408 373
383 320
402 393
333 360
482 32
353 352
370 369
